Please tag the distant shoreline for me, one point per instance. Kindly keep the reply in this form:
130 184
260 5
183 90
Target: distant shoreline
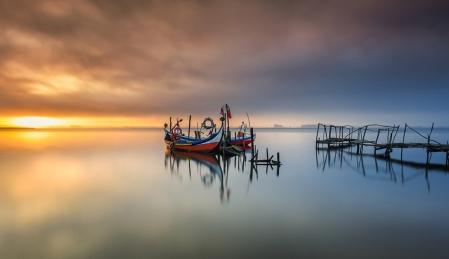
160 128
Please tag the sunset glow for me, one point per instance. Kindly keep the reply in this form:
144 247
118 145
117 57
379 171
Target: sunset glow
274 61
208 129
75 122
37 122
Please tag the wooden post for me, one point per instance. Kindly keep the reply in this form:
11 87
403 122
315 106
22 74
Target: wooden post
388 135
387 147
225 128
170 124
363 140
428 143
350 137
278 157
325 132
251 131
403 140
396 132
228 132
391 134
377 138
428 137
447 154
378 133
341 135
447 158
190 119
359 137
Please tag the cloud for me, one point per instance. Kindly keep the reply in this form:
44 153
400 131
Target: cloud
147 57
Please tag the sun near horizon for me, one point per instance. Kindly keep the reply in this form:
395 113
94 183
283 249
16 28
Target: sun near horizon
44 122
36 122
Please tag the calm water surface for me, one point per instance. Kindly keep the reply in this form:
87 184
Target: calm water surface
117 194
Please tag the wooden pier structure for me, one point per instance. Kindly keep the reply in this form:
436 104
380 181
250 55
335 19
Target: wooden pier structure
346 136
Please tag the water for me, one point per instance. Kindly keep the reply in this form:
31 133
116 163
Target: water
117 194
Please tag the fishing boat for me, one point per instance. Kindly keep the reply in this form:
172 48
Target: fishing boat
215 138
175 140
242 137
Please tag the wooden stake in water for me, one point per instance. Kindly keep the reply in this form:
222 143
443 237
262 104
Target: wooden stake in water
251 131
403 140
190 119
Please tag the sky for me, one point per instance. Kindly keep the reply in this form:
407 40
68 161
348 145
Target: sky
135 62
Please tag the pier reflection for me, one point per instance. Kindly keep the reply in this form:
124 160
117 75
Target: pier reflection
377 167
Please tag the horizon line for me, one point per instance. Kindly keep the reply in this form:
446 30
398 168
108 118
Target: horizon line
307 126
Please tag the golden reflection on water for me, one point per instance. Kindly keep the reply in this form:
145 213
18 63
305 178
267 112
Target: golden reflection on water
108 194
61 178
23 139
68 139
32 135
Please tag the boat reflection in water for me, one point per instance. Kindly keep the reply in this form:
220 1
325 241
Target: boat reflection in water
378 167
212 169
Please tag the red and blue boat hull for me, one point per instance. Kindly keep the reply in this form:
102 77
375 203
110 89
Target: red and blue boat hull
241 141
209 144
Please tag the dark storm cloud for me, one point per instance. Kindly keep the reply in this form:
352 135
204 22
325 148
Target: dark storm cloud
143 57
